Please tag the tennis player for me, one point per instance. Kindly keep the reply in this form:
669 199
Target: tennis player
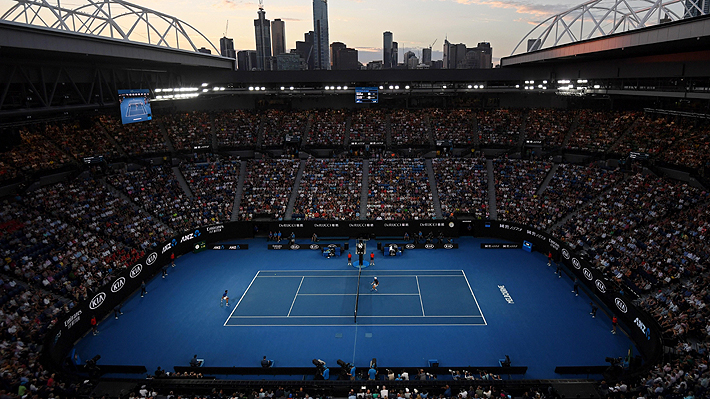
224 299
374 284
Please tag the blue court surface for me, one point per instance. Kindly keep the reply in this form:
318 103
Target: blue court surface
463 307
326 298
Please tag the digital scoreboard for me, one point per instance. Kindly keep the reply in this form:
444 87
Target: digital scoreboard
365 95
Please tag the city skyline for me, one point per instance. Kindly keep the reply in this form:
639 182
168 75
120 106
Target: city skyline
416 24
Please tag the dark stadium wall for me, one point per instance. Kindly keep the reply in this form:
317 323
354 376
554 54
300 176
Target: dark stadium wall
641 327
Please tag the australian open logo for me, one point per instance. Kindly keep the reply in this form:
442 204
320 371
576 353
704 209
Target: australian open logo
621 305
315 246
118 284
151 258
409 246
429 246
197 233
576 264
600 286
295 246
136 270
588 274
565 253
448 246
97 301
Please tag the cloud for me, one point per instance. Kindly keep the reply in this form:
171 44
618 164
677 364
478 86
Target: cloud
520 7
369 49
236 4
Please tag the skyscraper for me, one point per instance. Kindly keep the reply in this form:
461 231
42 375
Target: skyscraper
321 41
426 56
262 32
226 47
343 58
306 51
278 37
394 57
387 50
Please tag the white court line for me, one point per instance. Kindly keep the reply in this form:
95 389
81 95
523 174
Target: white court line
347 271
388 276
354 325
378 294
240 299
420 296
295 296
331 317
474 296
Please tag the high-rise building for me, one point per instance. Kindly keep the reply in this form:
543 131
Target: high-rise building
306 51
426 56
410 60
321 41
387 49
278 37
695 8
458 56
288 62
343 58
394 57
246 60
262 32
226 47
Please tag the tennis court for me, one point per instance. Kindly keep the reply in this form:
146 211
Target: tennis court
328 298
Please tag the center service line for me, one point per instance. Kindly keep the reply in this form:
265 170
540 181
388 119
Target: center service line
420 296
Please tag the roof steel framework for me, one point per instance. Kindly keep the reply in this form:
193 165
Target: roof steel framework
116 19
598 18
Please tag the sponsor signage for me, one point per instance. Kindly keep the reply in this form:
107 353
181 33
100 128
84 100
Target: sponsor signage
136 270
97 300
118 284
230 247
500 246
506 295
295 247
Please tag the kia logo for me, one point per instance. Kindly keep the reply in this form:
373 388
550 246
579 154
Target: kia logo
565 253
118 284
429 246
588 274
600 286
575 263
409 246
295 246
151 258
621 305
97 300
137 269
449 246
314 246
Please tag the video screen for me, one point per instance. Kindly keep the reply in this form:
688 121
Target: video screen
135 105
364 95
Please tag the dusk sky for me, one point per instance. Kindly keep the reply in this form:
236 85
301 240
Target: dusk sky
359 23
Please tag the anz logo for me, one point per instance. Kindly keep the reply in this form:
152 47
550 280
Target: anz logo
621 305
118 284
97 301
137 269
190 236
646 331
